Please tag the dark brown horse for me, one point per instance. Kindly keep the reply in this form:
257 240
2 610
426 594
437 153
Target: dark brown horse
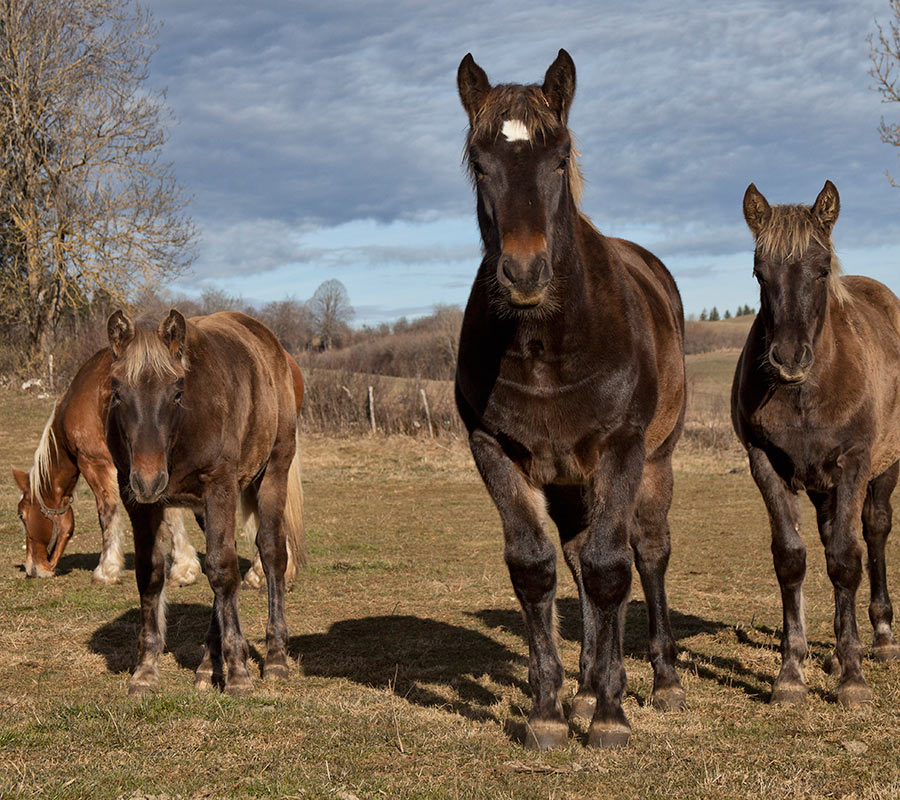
203 412
816 402
73 443
571 383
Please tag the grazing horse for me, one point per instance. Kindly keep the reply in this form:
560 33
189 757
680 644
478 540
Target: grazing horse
73 443
203 411
570 381
815 403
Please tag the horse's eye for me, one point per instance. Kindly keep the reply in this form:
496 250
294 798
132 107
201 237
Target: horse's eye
478 170
823 275
563 165
177 397
759 277
114 399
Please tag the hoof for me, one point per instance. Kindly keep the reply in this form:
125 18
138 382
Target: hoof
239 689
788 694
609 735
832 665
669 698
143 682
203 681
886 652
102 579
179 576
276 672
582 711
252 580
546 735
854 695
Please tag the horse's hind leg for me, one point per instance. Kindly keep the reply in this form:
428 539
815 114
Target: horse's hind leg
651 545
272 547
876 518
150 572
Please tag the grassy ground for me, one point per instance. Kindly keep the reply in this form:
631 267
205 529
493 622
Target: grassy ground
411 675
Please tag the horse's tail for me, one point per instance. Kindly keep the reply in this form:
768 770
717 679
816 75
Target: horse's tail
294 531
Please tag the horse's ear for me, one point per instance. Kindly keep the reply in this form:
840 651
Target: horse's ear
21 479
172 331
827 206
756 209
120 331
473 85
559 85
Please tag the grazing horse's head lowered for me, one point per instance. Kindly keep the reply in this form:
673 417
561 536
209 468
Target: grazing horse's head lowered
798 276
522 160
147 381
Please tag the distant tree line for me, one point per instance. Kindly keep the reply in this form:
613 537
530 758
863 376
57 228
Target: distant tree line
713 314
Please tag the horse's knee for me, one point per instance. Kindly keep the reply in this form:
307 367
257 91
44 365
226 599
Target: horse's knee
531 569
606 574
844 562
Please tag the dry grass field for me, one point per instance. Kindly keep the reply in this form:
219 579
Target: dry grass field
411 675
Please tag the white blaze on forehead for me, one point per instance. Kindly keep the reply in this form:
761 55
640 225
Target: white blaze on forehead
515 131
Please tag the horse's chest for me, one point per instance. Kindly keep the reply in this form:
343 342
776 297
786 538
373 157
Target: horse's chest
551 415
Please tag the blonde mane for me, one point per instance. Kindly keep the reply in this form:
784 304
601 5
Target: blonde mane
39 476
528 105
145 353
788 232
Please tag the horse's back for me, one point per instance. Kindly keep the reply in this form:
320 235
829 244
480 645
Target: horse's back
245 381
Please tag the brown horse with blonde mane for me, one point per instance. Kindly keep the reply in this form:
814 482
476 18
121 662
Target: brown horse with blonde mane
816 402
571 383
202 413
73 443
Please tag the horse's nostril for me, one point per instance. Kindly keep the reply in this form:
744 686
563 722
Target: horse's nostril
506 268
775 356
805 357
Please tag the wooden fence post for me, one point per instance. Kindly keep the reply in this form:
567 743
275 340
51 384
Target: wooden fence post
372 409
427 413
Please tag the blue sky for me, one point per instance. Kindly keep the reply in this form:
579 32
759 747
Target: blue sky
323 139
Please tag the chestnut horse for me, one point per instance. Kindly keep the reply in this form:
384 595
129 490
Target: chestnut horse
73 443
570 381
815 402
203 412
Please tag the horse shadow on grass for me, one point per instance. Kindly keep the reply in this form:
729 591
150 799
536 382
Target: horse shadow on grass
727 671
187 624
425 661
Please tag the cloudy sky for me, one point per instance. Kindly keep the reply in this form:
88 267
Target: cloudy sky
323 139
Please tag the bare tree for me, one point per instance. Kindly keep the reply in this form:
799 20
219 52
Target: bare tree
88 210
331 310
291 321
884 53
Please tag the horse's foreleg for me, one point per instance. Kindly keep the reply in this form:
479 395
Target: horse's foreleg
876 518
789 557
606 569
101 477
225 580
150 572
531 559
651 545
